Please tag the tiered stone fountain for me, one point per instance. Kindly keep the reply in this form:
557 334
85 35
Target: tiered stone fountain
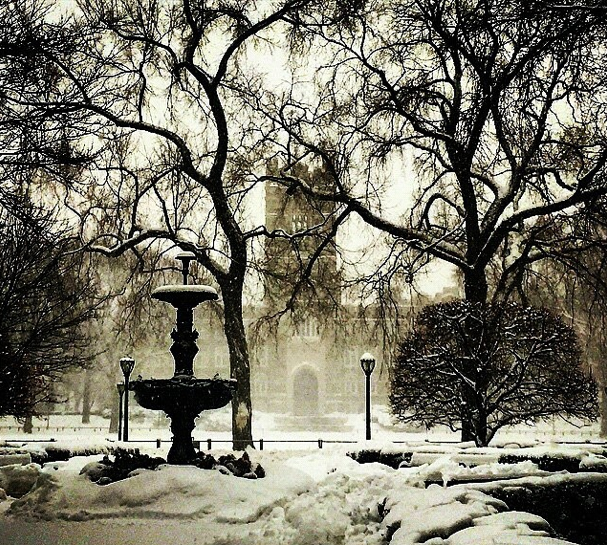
183 397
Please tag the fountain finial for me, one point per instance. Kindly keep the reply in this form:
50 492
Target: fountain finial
185 258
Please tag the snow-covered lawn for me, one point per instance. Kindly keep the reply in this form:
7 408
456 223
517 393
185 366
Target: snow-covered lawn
308 497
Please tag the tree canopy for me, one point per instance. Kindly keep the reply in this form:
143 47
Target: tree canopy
479 367
148 88
469 132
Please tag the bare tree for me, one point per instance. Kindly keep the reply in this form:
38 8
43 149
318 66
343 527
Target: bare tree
489 366
484 114
47 298
38 150
467 132
153 82
574 282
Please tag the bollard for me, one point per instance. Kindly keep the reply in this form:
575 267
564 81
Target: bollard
261 444
208 444
320 443
158 442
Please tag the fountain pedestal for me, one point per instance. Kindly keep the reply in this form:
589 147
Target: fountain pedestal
184 396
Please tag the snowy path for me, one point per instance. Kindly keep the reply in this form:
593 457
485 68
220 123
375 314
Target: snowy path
110 532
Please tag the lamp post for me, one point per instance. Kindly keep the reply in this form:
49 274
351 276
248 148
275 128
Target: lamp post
367 362
126 365
120 387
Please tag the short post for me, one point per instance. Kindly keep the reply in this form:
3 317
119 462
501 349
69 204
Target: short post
367 363
120 387
127 365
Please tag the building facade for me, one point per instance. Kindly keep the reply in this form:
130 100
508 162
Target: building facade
308 363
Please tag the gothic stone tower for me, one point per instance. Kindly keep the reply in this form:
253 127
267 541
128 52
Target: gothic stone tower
300 364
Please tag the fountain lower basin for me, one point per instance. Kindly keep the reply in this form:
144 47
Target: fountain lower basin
193 395
183 398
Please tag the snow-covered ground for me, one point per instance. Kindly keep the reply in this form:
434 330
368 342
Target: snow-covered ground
310 496
277 430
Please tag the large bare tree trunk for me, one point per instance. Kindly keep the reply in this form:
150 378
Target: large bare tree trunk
28 424
467 428
476 290
482 431
475 285
240 368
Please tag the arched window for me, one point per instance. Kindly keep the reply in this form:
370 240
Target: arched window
309 327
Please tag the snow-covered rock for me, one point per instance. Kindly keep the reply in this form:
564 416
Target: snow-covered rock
17 480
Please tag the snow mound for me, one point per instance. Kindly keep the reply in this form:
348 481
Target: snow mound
170 492
307 498
460 516
447 469
418 515
511 528
595 462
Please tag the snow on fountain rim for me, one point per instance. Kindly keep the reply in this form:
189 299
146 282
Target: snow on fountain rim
185 288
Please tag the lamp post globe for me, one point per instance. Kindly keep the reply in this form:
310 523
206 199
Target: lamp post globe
127 364
367 363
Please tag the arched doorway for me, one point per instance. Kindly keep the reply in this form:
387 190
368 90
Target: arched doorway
305 392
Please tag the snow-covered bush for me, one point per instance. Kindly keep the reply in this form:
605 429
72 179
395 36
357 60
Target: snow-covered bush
479 367
575 506
107 471
127 464
391 459
546 462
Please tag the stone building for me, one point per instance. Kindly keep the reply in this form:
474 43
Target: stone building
308 365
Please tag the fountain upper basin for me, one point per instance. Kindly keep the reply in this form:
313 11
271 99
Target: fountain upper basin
187 394
185 295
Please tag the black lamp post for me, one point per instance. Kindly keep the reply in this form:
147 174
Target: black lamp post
127 365
120 387
367 362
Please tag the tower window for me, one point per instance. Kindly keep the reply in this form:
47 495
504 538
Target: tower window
299 222
308 328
